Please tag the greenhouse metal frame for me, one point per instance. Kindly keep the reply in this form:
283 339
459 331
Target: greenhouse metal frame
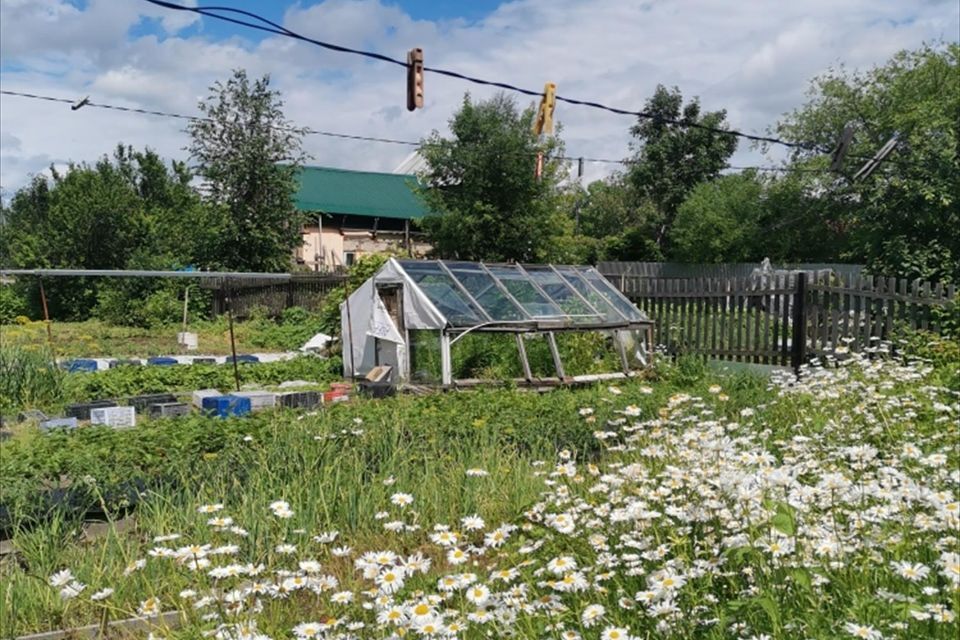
456 298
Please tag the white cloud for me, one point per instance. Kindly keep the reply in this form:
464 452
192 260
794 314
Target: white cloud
754 58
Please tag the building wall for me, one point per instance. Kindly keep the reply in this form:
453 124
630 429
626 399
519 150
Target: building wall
337 243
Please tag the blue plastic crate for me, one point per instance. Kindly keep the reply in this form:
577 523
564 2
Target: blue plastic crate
242 358
225 406
162 361
80 364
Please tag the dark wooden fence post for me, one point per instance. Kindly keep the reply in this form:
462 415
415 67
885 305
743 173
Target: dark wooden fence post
798 351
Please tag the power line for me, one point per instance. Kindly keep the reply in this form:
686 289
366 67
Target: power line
348 136
272 27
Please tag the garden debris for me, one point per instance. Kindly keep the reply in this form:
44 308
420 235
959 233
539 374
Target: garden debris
98 529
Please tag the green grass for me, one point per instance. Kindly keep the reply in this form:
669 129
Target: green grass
94 338
688 473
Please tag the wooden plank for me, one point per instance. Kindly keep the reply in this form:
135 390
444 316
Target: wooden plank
938 295
768 313
731 300
741 319
759 309
825 319
888 329
161 622
856 300
924 310
682 316
883 293
775 321
698 313
712 288
787 315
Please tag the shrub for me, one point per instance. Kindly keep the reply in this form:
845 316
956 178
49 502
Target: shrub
12 304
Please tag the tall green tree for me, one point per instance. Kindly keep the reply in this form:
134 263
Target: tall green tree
102 216
671 159
480 182
249 155
904 218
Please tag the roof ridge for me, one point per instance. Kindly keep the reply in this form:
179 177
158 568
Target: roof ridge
377 173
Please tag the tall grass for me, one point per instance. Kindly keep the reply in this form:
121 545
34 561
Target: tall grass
29 378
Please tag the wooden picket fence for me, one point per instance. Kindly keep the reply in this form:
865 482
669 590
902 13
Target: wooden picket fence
783 318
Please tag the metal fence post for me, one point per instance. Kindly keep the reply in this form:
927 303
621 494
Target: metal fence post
798 351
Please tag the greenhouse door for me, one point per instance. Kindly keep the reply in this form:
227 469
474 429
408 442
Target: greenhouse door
388 352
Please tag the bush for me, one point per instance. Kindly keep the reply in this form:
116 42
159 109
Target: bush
12 304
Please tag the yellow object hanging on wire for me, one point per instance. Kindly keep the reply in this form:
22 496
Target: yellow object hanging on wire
543 124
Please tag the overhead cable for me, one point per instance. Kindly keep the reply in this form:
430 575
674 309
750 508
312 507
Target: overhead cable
272 27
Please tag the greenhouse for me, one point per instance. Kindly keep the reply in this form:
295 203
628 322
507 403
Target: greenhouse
452 322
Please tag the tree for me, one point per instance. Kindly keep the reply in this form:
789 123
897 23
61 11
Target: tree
481 184
719 221
902 219
249 157
102 217
671 159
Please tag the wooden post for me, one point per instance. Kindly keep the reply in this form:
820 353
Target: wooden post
46 313
522 350
798 352
406 238
233 344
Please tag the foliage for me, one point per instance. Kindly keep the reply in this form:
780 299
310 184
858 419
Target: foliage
29 378
677 510
289 331
901 220
124 381
671 160
12 304
481 184
127 211
361 271
719 221
248 155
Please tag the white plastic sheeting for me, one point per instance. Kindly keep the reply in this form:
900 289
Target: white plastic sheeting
369 320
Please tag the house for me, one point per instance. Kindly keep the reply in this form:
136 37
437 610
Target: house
352 213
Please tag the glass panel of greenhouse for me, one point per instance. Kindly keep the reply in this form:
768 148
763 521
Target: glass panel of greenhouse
456 321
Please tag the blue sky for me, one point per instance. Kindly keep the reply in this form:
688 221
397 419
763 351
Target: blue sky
754 58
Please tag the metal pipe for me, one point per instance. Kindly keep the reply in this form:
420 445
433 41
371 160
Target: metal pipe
122 273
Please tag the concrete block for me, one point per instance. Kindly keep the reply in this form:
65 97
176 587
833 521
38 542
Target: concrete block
201 394
114 416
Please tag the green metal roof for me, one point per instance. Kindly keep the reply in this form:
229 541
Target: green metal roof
358 193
